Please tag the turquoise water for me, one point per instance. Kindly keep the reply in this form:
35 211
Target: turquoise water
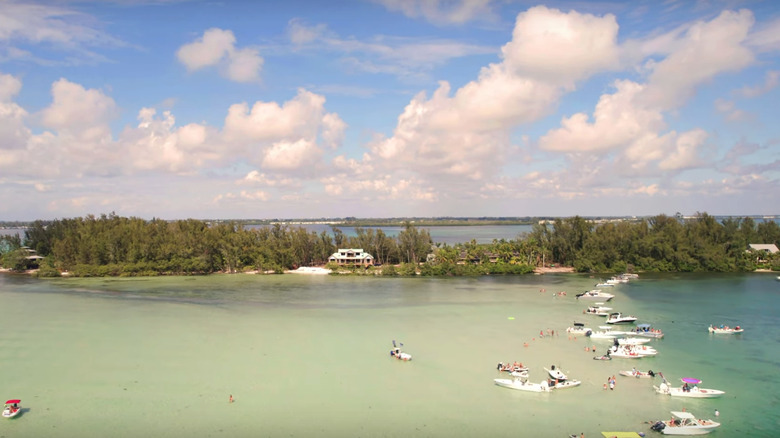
308 355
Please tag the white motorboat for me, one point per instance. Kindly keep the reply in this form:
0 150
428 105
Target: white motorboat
565 384
604 285
642 350
556 374
606 332
724 329
619 318
617 280
597 310
690 388
579 329
637 374
12 408
595 294
523 385
647 331
685 423
633 341
625 352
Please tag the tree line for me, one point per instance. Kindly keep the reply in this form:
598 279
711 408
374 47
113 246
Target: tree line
110 245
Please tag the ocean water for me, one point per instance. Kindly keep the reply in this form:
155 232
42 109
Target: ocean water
308 355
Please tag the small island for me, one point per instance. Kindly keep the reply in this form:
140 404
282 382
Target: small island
110 245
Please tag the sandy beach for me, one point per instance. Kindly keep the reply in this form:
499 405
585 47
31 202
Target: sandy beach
553 270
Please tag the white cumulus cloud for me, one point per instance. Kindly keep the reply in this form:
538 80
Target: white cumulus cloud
217 47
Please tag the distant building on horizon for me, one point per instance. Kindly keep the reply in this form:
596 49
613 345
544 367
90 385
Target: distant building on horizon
352 257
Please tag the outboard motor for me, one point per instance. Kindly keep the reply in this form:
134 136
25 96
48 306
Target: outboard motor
651 373
658 426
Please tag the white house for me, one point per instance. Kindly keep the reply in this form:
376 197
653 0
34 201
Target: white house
352 257
771 248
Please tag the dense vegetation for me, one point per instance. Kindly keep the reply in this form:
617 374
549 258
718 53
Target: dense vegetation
113 245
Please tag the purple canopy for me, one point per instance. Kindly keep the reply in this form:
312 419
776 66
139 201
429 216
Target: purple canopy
691 380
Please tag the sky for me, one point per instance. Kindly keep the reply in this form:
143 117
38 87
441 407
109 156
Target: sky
313 109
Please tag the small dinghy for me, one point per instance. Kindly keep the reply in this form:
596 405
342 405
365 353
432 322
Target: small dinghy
12 408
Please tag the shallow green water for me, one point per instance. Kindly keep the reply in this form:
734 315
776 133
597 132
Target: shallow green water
308 355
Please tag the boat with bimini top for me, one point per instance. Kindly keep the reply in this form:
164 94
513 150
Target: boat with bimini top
690 388
684 423
647 331
12 408
579 329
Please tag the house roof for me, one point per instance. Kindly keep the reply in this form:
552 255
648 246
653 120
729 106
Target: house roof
769 247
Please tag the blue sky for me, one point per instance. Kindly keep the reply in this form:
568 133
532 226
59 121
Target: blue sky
387 108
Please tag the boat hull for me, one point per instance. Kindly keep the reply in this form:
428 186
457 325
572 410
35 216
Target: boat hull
692 393
567 384
522 385
8 413
721 331
638 375
688 430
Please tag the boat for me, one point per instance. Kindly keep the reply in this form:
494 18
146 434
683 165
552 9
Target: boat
647 331
637 374
597 310
619 318
595 294
604 285
633 341
398 354
556 374
579 329
523 385
604 357
564 384
642 350
724 329
684 423
515 367
690 388
12 408
622 435
625 352
522 374
606 332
